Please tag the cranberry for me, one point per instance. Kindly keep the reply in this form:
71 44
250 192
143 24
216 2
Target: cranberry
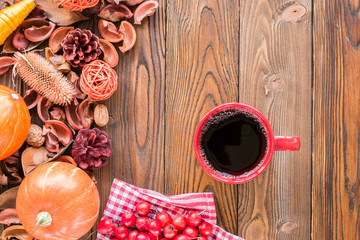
142 236
141 223
128 219
153 237
179 222
163 218
205 229
169 231
132 235
106 226
190 232
121 232
154 227
194 219
142 208
182 237
202 238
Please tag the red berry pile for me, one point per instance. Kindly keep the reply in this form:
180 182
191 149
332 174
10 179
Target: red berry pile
138 226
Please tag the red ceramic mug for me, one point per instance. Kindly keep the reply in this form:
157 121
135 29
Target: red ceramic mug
274 143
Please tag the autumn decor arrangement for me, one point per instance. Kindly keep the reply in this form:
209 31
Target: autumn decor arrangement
50 141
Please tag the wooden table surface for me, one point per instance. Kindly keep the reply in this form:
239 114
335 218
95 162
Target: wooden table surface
296 61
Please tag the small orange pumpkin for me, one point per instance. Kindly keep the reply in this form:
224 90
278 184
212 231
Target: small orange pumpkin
14 121
57 201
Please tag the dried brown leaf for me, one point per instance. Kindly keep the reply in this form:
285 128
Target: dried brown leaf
60 16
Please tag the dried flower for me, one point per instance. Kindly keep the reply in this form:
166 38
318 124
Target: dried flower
91 149
10 170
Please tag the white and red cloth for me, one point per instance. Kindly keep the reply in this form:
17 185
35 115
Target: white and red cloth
123 197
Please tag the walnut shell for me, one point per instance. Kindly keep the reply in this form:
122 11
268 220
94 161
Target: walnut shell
101 115
35 137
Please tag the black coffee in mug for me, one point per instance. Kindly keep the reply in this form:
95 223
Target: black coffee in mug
233 141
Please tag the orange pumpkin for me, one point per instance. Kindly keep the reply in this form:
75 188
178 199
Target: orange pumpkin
14 122
57 201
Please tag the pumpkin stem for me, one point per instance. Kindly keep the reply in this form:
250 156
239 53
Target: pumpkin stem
43 219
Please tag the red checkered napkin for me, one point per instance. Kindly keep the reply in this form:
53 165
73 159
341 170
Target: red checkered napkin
123 197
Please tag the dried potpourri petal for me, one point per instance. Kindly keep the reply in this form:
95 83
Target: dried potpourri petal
110 54
39 33
39 12
72 115
109 32
56 132
31 98
33 157
145 9
57 37
127 2
96 9
17 232
129 36
85 113
58 113
10 169
9 216
6 63
19 41
43 107
8 198
115 13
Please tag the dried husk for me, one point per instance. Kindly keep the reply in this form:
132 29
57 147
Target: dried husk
8 198
110 53
109 32
56 132
17 232
85 113
5 64
31 98
33 157
9 216
129 33
38 34
145 9
43 107
115 13
57 37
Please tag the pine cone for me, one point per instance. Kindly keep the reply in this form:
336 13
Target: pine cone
91 148
81 47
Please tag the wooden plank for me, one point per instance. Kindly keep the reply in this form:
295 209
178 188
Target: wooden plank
336 120
201 73
275 77
137 107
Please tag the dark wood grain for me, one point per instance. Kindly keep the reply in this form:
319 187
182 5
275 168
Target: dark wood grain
201 73
336 121
137 112
275 77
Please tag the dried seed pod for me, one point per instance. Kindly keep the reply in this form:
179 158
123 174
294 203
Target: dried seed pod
101 115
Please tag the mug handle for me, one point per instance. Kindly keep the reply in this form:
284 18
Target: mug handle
286 143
